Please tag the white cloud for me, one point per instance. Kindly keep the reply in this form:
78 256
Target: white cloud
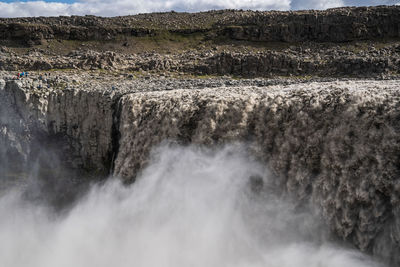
316 4
39 8
371 2
127 7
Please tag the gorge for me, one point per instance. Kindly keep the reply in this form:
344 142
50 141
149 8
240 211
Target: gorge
244 152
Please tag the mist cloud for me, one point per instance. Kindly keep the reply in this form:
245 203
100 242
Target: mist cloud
128 7
189 207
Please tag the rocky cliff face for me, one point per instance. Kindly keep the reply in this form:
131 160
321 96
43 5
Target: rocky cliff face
333 25
296 61
76 123
344 42
335 144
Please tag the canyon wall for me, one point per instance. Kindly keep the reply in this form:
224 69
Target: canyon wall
335 144
77 123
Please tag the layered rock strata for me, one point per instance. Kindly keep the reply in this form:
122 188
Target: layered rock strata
332 25
356 42
79 122
296 61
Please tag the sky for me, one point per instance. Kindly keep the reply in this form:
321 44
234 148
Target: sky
10 8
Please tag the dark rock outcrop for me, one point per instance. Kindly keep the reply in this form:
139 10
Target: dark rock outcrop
333 25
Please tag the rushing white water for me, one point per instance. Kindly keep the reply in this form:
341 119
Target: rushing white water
189 207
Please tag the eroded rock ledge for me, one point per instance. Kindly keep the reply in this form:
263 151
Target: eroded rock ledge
335 143
306 60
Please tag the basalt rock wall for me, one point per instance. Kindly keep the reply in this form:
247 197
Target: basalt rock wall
77 123
332 25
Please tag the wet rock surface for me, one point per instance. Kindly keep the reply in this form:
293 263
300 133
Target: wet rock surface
335 143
